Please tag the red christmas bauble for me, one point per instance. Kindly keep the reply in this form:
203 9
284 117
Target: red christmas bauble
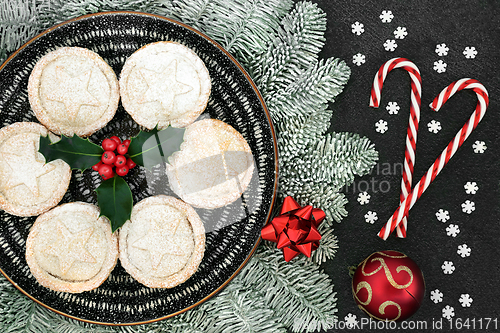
388 286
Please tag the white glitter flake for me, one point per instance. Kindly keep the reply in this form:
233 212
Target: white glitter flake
371 217
392 108
464 250
358 59
465 300
436 296
386 16
400 33
381 126
448 267
390 45
452 230
350 321
363 198
434 126
468 206
479 147
448 312
440 66
470 52
442 215
471 187
442 49
357 28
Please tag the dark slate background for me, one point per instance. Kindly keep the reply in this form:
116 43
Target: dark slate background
458 24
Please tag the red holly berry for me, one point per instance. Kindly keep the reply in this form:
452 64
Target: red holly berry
120 160
106 171
108 157
131 164
122 171
126 142
116 139
96 167
122 149
109 144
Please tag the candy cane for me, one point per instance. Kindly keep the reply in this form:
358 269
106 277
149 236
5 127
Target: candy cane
411 133
448 152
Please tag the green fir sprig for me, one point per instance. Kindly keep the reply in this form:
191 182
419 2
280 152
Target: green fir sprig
18 23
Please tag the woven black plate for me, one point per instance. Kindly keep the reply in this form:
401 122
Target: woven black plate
232 231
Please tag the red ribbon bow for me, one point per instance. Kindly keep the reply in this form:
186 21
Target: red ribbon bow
295 229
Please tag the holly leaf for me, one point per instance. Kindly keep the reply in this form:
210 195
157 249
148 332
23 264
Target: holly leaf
154 147
79 153
114 198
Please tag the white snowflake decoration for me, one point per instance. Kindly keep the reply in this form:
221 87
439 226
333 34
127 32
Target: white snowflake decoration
479 147
464 250
442 215
465 300
371 217
392 107
471 187
358 59
470 52
386 16
434 126
436 296
468 206
350 320
381 126
442 49
452 230
400 33
448 312
363 198
448 267
440 66
390 45
358 28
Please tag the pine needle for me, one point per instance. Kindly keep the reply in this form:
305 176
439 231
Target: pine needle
56 11
300 294
18 23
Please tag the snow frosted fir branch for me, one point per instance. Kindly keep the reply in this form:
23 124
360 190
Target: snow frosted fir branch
18 23
278 43
297 88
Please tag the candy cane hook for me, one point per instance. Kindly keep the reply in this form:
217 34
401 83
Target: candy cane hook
411 133
448 152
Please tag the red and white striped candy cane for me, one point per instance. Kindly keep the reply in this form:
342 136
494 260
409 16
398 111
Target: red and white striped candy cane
448 152
411 133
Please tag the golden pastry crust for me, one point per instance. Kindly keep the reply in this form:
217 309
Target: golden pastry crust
164 83
163 243
72 90
28 185
71 249
213 167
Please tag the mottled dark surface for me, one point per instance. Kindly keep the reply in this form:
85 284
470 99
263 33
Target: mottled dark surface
458 24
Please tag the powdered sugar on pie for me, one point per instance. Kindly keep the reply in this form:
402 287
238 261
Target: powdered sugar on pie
163 243
164 83
70 248
213 167
28 185
72 90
